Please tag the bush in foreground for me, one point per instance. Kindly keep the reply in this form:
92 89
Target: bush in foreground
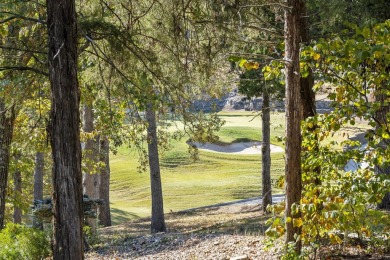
21 242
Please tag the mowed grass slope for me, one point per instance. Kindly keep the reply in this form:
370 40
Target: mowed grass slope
214 178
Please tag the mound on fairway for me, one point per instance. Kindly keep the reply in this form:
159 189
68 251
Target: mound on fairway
236 148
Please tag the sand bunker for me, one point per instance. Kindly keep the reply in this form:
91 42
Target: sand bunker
237 148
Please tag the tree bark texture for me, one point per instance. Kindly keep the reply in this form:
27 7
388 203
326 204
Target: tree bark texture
7 118
158 221
64 130
293 119
307 93
385 203
266 153
17 215
381 116
38 183
91 178
104 190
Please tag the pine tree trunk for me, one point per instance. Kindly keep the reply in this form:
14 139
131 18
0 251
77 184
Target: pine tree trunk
17 215
104 190
91 179
64 130
293 119
158 221
266 153
38 183
7 118
307 93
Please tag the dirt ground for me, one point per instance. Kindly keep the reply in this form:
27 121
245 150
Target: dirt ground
234 232
218 232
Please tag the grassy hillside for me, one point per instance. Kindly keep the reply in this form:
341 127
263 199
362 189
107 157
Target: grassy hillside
215 178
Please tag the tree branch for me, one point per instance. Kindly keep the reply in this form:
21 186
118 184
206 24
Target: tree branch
264 5
23 50
24 68
18 16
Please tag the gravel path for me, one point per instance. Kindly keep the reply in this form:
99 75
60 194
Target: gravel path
277 198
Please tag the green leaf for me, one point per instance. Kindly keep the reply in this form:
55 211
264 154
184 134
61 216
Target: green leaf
365 55
332 96
234 58
304 73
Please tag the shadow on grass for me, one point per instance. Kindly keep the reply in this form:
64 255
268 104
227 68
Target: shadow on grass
237 140
226 218
245 226
119 216
237 115
175 161
244 140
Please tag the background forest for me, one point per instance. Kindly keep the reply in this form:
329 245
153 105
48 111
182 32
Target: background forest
95 94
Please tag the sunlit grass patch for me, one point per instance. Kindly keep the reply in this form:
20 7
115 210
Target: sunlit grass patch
214 178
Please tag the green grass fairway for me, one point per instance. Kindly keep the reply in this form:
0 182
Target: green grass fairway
215 178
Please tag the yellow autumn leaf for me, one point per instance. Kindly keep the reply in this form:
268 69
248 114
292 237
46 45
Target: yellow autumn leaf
242 63
316 56
251 65
377 54
385 135
267 69
280 230
297 222
365 231
334 239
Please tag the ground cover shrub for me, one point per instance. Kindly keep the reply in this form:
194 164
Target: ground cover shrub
23 243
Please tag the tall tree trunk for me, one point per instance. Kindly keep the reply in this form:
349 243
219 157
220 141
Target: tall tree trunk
64 130
293 119
307 92
158 221
7 118
17 215
91 178
266 152
38 184
104 190
385 203
381 116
